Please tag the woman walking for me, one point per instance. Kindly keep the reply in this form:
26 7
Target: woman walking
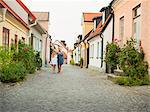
60 60
54 60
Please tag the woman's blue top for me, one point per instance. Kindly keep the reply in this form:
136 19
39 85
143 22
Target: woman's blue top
60 58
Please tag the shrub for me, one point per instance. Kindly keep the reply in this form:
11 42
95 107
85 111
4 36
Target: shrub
72 62
129 81
112 50
26 55
13 72
5 56
131 61
81 62
38 60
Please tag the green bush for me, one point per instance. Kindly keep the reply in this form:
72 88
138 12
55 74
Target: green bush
131 61
72 62
27 56
112 51
38 60
15 63
81 62
13 72
129 81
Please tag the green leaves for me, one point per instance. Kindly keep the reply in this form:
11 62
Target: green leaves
112 50
16 63
130 60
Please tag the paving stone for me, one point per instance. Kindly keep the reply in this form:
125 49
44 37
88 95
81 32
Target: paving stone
73 90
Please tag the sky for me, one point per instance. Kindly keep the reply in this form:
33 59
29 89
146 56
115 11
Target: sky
65 16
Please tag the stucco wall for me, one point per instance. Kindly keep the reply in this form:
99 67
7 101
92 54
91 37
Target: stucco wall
124 8
107 37
37 38
95 62
87 27
15 28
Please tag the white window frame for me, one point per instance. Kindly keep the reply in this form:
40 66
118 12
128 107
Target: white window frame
137 24
98 50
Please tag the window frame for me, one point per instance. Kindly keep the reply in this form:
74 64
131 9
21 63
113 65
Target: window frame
5 42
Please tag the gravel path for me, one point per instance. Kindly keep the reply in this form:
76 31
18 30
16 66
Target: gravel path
73 90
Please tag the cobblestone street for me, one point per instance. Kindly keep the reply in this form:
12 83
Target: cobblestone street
73 90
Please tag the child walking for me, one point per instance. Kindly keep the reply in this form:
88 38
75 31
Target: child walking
54 60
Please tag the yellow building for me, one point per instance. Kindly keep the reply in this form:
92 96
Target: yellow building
12 27
87 27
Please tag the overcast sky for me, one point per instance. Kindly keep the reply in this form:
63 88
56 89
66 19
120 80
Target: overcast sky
65 15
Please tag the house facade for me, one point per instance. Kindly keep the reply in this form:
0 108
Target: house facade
43 20
77 50
87 26
17 22
13 26
99 37
132 20
106 33
36 38
95 45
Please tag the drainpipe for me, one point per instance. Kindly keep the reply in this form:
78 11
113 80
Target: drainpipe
46 53
31 25
113 17
4 10
101 50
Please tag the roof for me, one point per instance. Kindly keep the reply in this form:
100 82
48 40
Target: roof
86 36
88 17
26 9
40 28
42 16
13 13
61 44
100 28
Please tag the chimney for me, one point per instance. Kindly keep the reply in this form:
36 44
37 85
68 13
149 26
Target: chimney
64 42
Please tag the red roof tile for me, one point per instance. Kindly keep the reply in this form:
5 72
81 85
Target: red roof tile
99 28
88 17
26 9
13 13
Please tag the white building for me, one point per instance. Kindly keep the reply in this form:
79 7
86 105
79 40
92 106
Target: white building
36 40
76 55
102 33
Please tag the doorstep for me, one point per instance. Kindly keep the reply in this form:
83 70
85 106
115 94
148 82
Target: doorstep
112 76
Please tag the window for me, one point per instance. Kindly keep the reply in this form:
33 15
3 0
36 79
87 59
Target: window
92 50
121 29
40 45
5 38
94 25
137 24
31 40
137 11
98 50
16 41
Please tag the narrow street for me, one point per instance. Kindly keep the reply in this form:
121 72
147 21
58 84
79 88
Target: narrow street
73 90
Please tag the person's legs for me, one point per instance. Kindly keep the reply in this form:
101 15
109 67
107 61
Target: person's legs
54 68
60 68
